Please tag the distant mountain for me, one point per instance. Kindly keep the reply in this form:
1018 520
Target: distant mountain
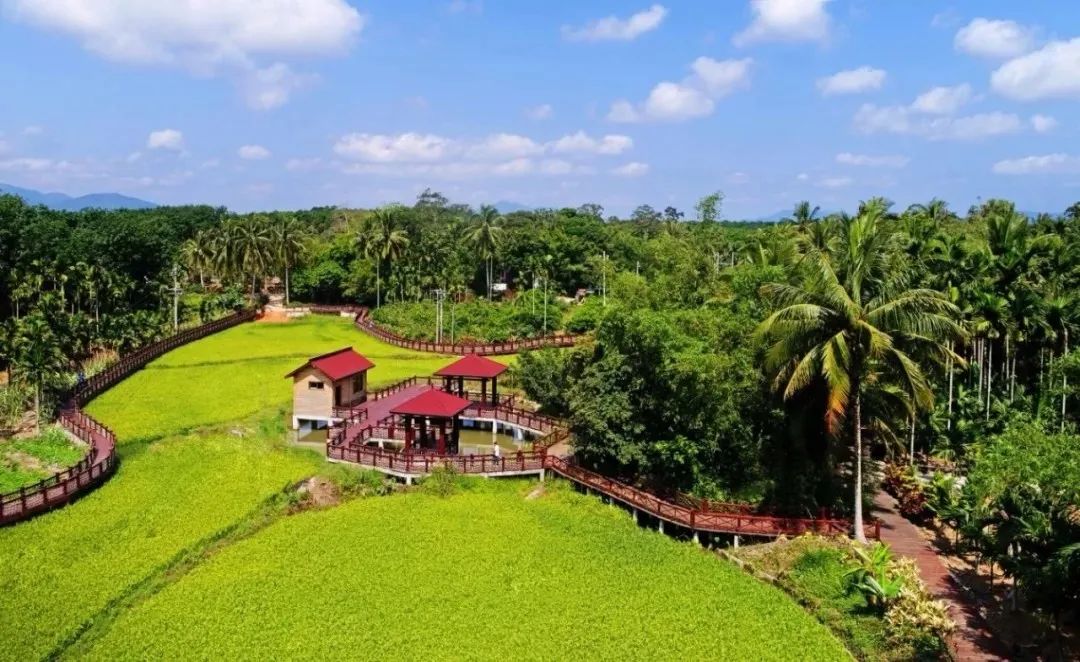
506 206
64 202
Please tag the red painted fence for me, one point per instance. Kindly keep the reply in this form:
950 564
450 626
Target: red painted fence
366 324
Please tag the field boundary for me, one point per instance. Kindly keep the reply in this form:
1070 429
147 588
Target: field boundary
100 460
363 321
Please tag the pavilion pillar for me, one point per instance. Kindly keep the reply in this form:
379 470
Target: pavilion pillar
461 387
441 444
456 434
494 391
408 433
423 431
483 389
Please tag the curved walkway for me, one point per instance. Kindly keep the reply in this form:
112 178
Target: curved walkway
972 640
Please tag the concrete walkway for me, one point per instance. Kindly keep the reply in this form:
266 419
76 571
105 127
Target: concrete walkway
971 640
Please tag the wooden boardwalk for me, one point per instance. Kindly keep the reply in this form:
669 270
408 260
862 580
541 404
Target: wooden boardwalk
972 640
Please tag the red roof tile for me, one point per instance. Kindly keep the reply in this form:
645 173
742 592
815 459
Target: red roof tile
435 403
338 365
472 366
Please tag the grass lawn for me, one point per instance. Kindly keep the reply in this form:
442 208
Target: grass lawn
26 461
482 574
237 372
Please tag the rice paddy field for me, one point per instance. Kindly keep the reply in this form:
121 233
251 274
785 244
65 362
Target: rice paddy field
187 553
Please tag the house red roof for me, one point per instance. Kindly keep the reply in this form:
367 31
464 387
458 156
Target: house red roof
434 403
472 366
338 365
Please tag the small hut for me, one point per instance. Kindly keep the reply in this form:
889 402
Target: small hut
326 386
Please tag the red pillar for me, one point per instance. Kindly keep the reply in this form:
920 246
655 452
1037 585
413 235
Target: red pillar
441 446
408 433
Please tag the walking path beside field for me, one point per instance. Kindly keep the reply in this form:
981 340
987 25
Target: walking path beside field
971 640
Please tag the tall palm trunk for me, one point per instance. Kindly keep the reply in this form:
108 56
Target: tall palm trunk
286 285
1064 381
911 427
948 421
860 535
989 376
378 283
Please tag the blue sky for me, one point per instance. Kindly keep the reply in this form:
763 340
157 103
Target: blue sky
259 104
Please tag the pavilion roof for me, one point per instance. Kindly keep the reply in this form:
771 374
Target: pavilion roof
472 366
338 364
433 403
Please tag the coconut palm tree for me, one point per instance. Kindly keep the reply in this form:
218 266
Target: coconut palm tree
485 234
849 328
804 215
252 248
289 237
382 241
197 254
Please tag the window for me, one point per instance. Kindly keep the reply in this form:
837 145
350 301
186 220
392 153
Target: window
315 386
357 383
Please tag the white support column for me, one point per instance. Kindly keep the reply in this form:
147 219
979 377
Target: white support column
634 510
736 542
696 540
661 526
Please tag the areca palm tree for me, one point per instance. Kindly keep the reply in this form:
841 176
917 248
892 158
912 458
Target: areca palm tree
382 241
289 236
37 356
252 247
485 234
851 328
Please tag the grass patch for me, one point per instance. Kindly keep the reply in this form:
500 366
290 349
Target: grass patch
26 461
235 373
812 570
477 571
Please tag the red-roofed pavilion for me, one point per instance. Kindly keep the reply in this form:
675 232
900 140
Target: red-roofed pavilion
474 368
434 411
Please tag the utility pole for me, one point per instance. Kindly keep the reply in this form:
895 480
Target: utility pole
546 306
176 297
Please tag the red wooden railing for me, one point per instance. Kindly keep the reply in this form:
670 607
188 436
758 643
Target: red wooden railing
366 324
701 520
64 486
100 460
425 463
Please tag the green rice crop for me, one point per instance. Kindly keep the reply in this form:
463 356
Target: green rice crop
63 568
237 372
483 574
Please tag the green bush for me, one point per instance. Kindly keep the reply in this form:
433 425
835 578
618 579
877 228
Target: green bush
474 321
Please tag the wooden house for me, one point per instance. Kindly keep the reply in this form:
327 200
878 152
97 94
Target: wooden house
326 386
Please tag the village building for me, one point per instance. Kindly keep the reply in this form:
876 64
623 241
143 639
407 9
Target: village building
326 386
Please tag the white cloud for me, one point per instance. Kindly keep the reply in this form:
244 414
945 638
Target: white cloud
720 77
786 20
33 130
541 112
896 161
303 165
1043 123
165 139
835 182
618 29
942 100
226 37
26 164
253 153
693 97
405 147
852 81
903 120
270 87
632 169
1050 72
985 37
504 146
582 143
802 176
1058 163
